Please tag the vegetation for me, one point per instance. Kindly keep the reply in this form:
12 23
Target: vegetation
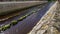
14 22
3 28
34 11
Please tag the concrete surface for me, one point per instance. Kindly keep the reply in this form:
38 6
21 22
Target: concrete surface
8 7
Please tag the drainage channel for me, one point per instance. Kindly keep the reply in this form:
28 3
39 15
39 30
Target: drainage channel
22 14
25 25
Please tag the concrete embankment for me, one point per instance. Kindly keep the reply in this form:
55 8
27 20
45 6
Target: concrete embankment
44 23
8 7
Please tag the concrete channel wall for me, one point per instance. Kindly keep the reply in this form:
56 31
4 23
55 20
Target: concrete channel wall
45 20
7 7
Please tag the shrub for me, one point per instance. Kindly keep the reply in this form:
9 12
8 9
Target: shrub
14 22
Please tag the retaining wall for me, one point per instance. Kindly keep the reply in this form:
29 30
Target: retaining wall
8 7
